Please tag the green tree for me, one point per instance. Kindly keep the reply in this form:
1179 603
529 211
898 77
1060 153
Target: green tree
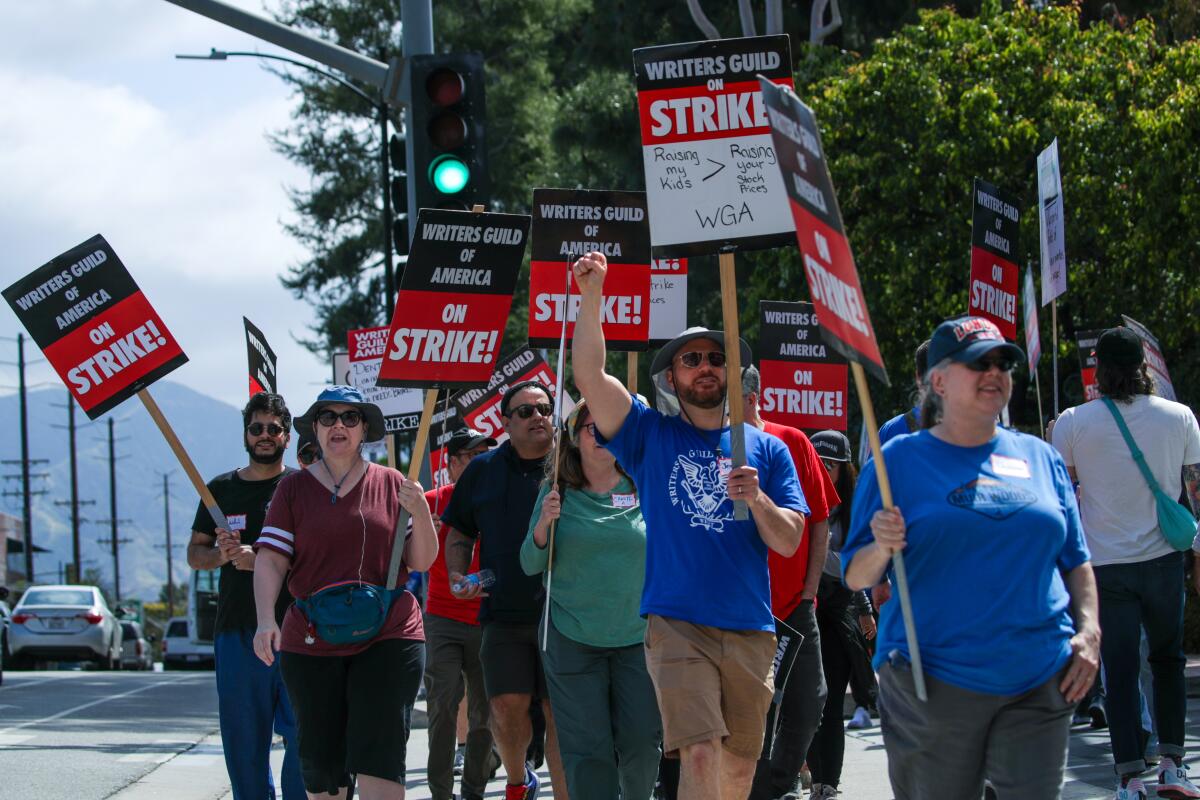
907 123
949 99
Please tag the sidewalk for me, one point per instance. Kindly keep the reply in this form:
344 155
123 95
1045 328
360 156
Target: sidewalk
199 773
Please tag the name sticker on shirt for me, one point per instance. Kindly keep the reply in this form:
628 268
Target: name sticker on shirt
237 522
725 465
624 500
1010 467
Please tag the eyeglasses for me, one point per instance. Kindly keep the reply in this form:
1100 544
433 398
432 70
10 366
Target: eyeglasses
349 418
307 456
257 428
1003 363
692 359
590 427
525 410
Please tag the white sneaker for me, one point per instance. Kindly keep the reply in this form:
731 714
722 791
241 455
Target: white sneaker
1173 780
825 792
1134 790
860 720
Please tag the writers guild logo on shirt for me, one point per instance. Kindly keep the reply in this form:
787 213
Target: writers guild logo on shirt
991 498
698 489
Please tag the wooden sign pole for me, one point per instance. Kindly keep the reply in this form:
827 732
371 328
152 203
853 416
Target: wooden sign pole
414 471
733 371
631 372
1054 349
885 493
185 461
560 375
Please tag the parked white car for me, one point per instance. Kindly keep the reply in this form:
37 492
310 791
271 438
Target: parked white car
64 623
180 650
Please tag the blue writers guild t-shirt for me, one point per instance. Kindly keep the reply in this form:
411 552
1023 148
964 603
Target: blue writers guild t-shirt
991 529
702 565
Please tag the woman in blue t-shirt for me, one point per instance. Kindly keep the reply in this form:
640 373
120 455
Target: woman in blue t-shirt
1003 596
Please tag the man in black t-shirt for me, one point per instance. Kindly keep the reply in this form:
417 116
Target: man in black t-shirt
492 503
251 697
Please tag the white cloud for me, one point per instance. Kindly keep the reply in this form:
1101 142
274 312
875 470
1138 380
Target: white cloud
102 130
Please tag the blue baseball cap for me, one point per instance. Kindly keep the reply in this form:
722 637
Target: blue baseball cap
374 428
968 339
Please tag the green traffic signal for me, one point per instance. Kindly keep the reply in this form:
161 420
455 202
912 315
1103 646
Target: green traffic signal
449 174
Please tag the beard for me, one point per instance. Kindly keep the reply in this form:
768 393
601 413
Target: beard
259 457
702 398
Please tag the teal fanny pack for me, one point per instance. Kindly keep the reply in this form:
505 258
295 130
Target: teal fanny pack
347 612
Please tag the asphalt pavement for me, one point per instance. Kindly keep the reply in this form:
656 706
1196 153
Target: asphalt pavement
87 735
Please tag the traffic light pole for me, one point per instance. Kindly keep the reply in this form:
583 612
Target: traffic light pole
418 41
387 78
389 269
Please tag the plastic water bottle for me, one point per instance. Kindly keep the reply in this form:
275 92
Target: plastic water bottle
484 579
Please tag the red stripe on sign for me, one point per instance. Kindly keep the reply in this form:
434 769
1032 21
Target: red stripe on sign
624 315
697 113
809 396
993 293
668 266
112 351
833 283
441 338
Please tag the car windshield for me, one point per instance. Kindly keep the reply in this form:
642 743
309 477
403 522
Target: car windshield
178 629
58 597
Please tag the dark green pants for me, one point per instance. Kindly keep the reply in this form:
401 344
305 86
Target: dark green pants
606 714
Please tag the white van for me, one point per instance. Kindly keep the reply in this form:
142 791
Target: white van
180 650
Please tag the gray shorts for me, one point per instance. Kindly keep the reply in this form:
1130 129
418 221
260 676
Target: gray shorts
946 746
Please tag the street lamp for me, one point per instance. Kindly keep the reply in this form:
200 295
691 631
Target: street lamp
381 112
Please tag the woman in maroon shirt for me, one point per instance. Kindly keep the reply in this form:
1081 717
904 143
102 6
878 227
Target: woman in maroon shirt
333 523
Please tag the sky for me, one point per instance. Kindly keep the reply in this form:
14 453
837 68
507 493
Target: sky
103 131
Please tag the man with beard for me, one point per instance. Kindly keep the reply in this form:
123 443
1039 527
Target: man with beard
492 503
251 698
710 638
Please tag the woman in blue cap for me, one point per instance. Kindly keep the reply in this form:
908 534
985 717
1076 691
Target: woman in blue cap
330 530
1003 595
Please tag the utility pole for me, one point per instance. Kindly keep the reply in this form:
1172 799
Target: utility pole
114 539
25 462
74 502
167 527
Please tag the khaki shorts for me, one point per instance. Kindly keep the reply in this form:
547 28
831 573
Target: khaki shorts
711 684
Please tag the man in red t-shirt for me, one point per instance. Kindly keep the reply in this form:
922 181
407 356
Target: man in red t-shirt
794 583
452 637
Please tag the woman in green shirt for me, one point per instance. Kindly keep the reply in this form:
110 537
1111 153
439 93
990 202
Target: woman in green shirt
609 730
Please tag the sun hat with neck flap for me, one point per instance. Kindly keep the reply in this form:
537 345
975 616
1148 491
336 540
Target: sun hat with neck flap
374 428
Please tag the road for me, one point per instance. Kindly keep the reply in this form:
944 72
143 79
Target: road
142 736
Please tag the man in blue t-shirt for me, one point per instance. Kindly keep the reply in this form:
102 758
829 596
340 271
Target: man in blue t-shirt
909 421
709 634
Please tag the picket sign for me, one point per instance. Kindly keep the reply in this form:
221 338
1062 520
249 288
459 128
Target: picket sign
485 294
103 338
710 183
835 288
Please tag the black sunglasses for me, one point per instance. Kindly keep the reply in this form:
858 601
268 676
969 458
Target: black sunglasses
1003 363
525 410
349 418
307 456
257 428
692 359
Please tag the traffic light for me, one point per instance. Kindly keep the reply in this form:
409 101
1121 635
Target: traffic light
399 193
449 166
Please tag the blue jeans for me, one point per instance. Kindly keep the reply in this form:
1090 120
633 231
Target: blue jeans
253 702
1147 594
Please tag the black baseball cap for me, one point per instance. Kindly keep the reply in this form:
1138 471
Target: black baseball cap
968 339
832 445
1120 347
467 439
